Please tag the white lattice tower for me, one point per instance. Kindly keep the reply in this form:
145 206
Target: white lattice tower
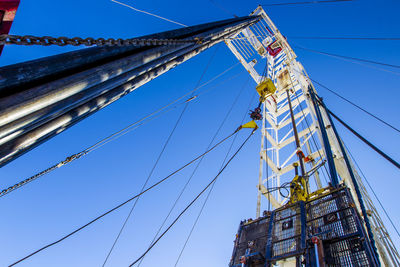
265 53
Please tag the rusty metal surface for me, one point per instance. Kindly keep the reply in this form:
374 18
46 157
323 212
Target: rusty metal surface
8 9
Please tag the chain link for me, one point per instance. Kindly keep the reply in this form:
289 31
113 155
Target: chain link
34 177
77 41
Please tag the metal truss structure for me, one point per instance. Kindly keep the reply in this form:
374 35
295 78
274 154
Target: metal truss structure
290 114
41 98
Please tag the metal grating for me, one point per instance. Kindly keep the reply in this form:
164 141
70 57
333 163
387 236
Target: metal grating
349 252
332 216
284 247
251 239
286 232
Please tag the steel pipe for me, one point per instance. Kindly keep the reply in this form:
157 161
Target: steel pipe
18 77
51 117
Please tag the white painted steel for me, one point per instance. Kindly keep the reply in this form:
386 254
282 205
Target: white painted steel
278 149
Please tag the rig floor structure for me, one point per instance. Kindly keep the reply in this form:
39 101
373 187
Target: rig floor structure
325 231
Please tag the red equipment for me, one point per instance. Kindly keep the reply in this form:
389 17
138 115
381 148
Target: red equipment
274 49
8 8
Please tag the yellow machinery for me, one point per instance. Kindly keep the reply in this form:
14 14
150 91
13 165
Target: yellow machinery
265 89
298 188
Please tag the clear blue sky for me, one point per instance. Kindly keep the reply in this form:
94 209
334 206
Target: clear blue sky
69 197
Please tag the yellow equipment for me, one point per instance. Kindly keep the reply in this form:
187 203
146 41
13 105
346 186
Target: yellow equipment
250 124
265 89
298 188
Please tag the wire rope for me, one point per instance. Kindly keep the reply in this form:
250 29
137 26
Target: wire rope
380 152
354 132
197 166
265 74
345 38
347 57
315 149
278 188
226 11
266 168
125 202
210 191
357 106
325 173
306 2
148 13
309 130
193 201
144 185
373 191
266 152
159 157
119 133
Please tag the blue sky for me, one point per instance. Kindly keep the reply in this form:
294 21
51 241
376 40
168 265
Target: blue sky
69 197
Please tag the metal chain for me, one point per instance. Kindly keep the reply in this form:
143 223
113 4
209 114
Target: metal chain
30 179
77 41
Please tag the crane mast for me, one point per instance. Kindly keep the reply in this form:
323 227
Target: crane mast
297 131
312 208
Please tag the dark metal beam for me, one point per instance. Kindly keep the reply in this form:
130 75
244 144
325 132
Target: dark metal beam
19 76
44 97
325 139
296 138
354 181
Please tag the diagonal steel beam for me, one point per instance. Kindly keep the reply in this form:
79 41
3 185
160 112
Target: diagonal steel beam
44 97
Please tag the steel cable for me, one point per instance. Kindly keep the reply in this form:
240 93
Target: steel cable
373 191
310 132
222 8
158 158
345 38
125 202
357 106
148 13
117 134
193 201
352 103
211 189
196 167
380 152
307 2
347 57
